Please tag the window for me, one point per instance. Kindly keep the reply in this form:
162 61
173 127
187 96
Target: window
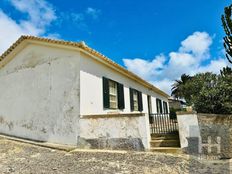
136 100
159 106
165 107
113 94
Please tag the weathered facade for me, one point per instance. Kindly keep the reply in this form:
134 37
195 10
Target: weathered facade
54 91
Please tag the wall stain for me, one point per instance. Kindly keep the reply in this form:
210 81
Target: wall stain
10 124
28 126
43 130
1 120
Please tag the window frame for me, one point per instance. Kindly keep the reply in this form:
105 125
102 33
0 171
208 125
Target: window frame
119 94
113 94
136 98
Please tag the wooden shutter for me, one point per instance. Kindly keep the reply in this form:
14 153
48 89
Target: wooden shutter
140 101
131 99
121 104
165 105
158 106
106 98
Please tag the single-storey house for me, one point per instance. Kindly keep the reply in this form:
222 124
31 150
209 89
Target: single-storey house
68 93
176 103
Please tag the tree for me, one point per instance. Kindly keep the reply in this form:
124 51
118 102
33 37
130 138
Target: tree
226 71
206 100
227 25
208 92
178 88
225 87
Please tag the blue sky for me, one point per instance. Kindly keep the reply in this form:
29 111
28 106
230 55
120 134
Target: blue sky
158 40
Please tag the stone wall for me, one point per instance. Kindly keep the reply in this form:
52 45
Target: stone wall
216 130
206 135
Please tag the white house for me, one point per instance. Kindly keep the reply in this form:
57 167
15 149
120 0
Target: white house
66 92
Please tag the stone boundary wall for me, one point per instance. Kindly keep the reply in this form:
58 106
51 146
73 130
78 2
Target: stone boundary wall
217 130
206 135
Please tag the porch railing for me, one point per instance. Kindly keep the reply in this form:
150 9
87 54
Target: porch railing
163 124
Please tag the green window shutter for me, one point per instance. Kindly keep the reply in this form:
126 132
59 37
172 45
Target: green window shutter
140 101
165 105
131 99
106 98
158 106
121 103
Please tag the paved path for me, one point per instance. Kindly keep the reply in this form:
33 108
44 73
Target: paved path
17 157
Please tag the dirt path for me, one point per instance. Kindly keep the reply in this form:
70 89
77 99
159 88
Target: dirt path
16 157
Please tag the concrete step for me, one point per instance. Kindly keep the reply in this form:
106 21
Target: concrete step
165 143
164 136
166 150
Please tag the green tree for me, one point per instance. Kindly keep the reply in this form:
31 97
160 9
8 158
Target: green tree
206 100
226 71
225 88
227 25
210 93
179 88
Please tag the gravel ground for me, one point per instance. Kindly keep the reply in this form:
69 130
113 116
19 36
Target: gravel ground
16 157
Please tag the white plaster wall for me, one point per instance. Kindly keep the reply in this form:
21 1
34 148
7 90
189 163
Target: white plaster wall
45 90
188 128
91 93
91 102
40 95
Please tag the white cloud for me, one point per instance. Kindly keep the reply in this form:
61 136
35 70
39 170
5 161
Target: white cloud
39 14
198 44
77 17
81 19
214 66
164 84
162 72
181 59
144 68
94 13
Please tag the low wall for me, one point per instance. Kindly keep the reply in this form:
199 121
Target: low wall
217 131
188 129
206 135
119 131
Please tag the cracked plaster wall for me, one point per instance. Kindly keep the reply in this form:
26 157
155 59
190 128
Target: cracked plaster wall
40 95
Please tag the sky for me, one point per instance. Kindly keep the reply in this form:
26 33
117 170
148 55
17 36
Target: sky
159 40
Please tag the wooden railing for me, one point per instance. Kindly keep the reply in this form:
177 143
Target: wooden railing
162 124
